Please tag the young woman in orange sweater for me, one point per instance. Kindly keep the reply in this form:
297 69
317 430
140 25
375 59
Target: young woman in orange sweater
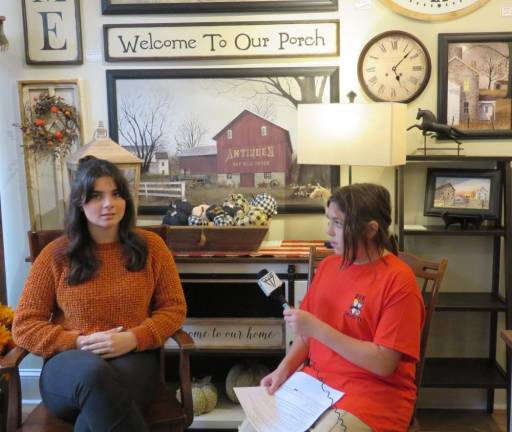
98 303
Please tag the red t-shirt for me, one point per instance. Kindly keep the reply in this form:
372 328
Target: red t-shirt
378 302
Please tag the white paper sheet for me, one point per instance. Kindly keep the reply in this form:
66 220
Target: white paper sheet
294 407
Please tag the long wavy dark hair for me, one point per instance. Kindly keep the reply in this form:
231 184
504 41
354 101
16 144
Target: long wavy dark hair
83 260
362 203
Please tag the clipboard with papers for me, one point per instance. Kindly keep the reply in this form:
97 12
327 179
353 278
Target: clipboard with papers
295 406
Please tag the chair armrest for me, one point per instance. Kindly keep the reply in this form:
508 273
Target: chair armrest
186 346
9 368
12 359
184 341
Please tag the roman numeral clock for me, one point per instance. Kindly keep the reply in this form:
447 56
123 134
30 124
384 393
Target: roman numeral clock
434 10
394 66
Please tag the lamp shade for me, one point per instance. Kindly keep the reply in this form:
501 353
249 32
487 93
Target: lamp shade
352 134
102 147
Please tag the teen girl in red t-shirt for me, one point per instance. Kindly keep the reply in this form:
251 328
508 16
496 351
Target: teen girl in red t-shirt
358 327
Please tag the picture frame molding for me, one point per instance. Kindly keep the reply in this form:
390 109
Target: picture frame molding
495 198
112 75
108 8
444 39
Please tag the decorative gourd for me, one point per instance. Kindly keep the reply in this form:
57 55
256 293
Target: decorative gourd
244 375
204 395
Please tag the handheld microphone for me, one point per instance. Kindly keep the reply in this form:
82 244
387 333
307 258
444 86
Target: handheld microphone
271 285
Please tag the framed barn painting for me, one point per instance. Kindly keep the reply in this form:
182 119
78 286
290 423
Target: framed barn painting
474 91
463 193
207 133
204 6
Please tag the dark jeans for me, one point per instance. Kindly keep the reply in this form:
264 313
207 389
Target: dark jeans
100 395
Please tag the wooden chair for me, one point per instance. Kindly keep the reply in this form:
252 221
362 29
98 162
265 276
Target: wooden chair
430 275
165 413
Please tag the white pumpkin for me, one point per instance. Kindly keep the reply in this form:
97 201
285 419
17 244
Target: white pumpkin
244 375
204 395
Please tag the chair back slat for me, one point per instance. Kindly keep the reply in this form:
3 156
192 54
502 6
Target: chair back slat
37 240
315 258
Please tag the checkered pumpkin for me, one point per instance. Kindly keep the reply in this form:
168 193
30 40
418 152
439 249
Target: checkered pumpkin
266 202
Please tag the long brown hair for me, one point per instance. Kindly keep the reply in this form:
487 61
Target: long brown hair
83 261
362 203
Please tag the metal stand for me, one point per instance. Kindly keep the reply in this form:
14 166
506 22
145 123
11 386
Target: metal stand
458 149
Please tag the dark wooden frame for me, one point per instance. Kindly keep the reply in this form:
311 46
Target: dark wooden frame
144 74
494 176
229 6
444 39
79 46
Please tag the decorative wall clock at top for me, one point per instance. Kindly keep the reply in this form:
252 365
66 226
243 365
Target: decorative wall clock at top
434 10
394 66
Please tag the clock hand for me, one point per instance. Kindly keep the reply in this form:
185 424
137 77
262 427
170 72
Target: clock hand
401 60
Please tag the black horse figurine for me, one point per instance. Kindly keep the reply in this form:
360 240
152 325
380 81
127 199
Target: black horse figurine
431 127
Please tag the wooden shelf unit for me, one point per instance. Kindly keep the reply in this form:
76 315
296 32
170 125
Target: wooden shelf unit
481 373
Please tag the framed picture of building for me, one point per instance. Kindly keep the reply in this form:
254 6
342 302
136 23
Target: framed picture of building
474 91
206 133
463 193
215 6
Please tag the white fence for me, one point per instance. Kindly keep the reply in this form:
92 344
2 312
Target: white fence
162 189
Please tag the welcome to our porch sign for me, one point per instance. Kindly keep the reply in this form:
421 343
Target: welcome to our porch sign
234 333
151 42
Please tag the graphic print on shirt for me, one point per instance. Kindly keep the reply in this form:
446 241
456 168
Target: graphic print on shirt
356 307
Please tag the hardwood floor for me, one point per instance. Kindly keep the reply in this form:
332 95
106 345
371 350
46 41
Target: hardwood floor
462 421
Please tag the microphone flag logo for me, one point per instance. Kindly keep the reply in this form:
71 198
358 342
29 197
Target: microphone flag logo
269 283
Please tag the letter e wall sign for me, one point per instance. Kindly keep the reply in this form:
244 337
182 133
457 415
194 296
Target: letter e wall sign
52 31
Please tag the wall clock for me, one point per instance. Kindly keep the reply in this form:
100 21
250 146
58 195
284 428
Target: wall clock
394 66
434 10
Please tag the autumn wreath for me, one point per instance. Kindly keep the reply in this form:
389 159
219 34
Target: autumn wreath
51 126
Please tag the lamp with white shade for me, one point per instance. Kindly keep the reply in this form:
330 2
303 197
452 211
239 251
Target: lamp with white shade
352 134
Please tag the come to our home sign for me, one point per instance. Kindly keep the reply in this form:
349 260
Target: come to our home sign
150 42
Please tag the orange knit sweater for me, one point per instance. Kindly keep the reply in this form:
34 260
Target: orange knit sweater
51 314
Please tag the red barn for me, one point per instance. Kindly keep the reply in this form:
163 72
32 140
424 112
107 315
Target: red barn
253 151
198 161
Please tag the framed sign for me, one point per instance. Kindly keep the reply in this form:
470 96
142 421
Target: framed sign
234 333
52 32
220 131
474 91
152 42
137 7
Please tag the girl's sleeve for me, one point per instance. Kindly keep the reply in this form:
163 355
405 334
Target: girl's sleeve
168 308
32 328
402 318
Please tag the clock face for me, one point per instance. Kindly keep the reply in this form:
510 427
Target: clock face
394 67
432 10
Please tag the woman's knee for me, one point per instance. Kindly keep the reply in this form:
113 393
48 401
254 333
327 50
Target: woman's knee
81 368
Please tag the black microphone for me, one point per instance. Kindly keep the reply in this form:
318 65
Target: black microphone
272 286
